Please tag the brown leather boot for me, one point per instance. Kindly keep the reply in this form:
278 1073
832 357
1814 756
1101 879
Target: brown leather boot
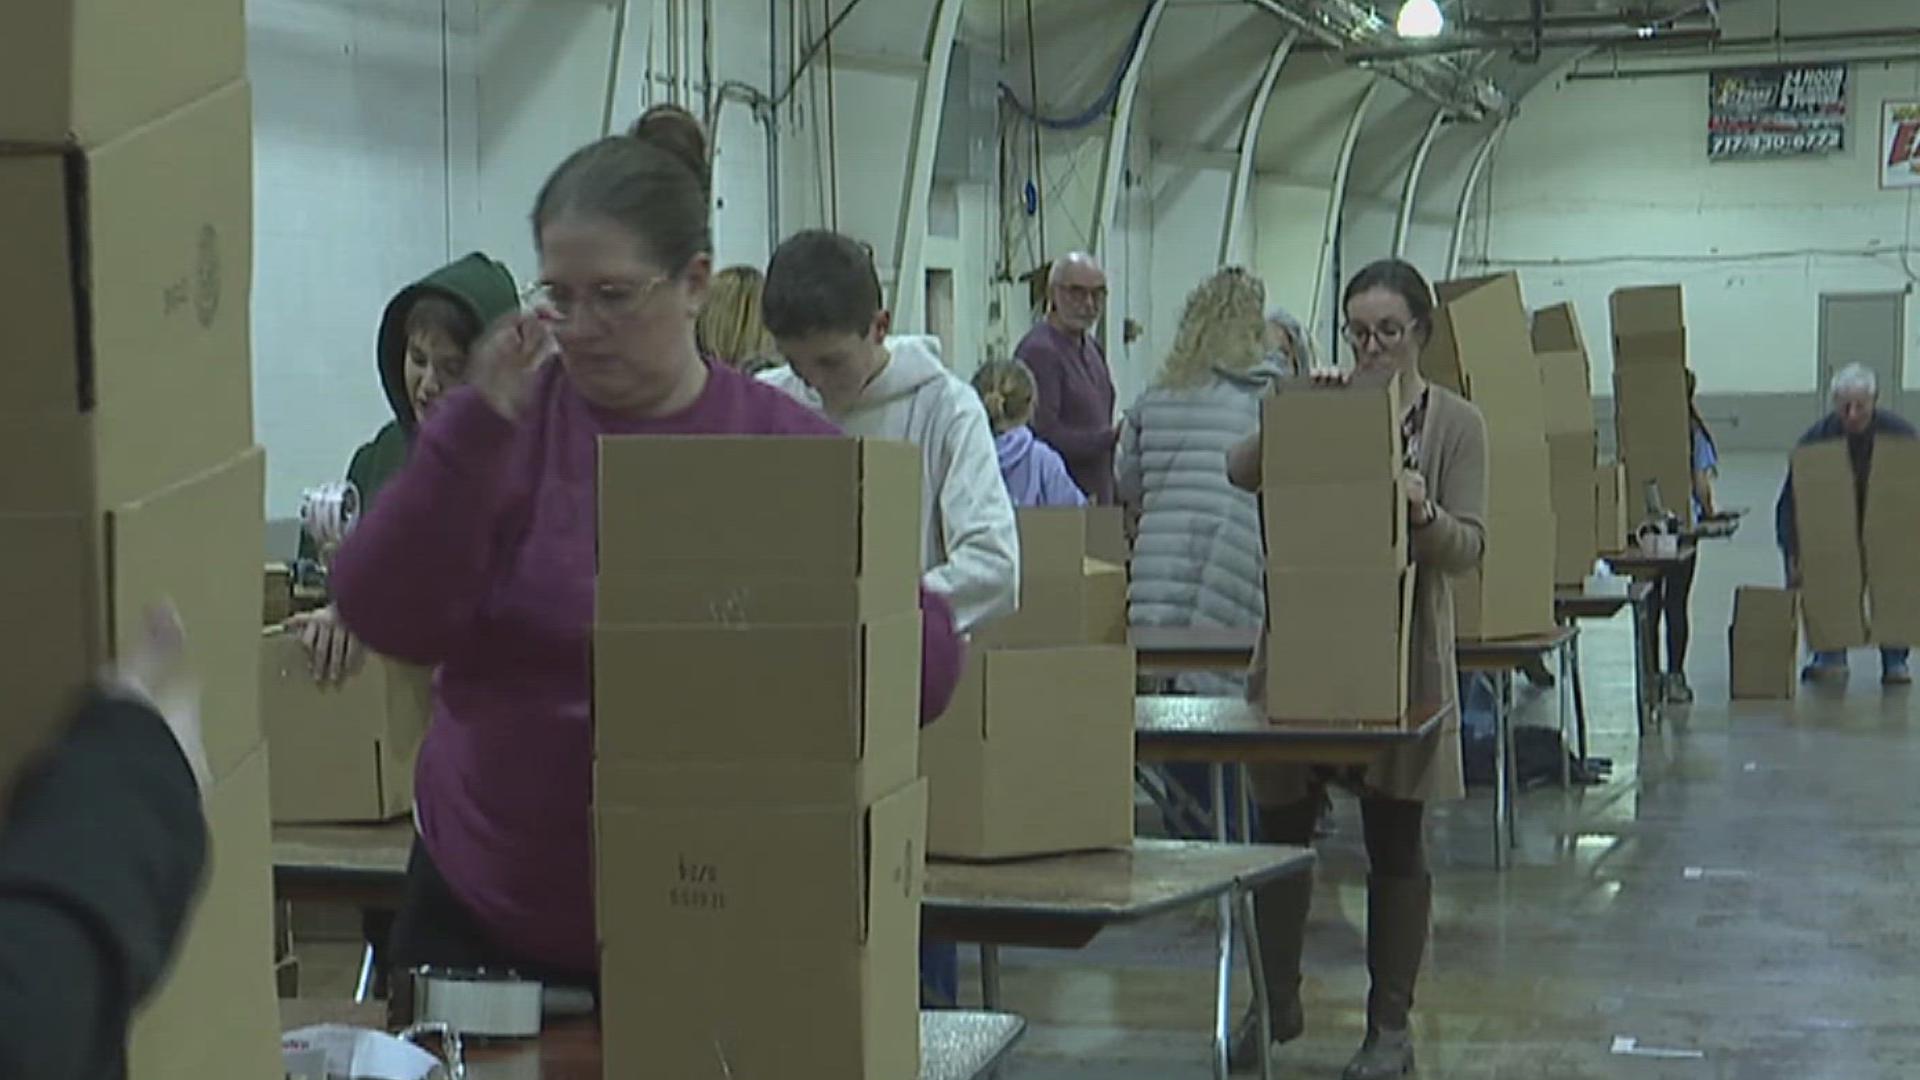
1399 911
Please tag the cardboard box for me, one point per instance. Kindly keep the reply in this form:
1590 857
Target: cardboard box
1107 535
1511 595
1827 521
1359 526
1566 397
1764 644
216 1016
1313 434
355 743
1338 647
1666 350
827 694
83 71
130 268
1066 598
1482 345
1891 540
1034 756
747 531
1556 329
276 605
1647 309
742 940
1612 533
1656 437
1574 507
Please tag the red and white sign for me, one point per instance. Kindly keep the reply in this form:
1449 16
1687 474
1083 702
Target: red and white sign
1900 145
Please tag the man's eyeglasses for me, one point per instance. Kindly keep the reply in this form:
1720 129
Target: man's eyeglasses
1387 334
609 301
1084 294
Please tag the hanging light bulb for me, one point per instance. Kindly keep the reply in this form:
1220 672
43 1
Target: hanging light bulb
1420 19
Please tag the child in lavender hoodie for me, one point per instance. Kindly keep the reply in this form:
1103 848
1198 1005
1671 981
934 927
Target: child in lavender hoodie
479 557
1034 472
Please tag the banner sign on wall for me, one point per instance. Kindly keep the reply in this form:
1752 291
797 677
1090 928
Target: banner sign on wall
1900 145
1776 111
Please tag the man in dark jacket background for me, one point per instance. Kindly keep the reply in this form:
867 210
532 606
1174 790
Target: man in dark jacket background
1857 418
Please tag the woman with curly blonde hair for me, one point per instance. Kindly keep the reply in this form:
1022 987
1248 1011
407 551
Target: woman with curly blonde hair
1196 553
729 328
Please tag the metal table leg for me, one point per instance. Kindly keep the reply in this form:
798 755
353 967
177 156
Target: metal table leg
1223 981
363 987
1566 712
1642 675
1513 758
1579 692
1262 1002
1500 779
990 977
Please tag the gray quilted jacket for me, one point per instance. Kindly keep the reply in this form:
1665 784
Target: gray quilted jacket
1197 558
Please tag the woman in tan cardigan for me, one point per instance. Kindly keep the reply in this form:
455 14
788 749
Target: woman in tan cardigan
1389 312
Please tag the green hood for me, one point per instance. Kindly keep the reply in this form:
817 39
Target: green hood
482 286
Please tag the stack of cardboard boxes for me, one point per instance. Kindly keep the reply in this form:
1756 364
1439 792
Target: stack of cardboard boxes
1650 397
1763 644
1482 346
760 824
1572 448
1859 566
1339 581
1035 755
126 433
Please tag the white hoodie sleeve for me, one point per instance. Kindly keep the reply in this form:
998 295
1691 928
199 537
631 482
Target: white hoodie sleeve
980 576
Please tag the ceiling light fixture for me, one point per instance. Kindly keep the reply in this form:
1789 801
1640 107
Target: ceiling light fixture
1420 19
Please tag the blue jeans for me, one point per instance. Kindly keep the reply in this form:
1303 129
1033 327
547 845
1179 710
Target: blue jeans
1890 656
939 974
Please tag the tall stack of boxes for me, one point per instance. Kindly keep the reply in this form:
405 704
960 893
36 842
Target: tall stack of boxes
1888 539
1859 565
759 821
1035 754
1572 449
1339 580
1650 396
1483 344
126 433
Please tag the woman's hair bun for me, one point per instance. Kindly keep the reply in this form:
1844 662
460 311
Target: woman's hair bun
675 130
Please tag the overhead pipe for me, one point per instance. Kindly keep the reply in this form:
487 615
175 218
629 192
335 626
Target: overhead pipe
1474 174
1523 44
1250 144
1451 88
1409 192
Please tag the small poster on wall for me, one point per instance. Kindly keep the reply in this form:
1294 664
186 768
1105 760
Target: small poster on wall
1900 145
1783 111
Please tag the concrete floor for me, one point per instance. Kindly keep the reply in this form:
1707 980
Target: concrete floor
1740 890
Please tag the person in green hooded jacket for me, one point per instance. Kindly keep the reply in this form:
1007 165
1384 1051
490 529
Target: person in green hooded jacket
426 334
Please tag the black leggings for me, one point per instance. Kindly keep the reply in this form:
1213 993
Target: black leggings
1392 828
1672 595
433 928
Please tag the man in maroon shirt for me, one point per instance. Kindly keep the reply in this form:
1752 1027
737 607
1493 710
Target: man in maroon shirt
1073 399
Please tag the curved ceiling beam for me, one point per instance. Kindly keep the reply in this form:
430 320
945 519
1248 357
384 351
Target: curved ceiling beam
1113 161
1410 191
910 239
1478 169
1337 199
1235 224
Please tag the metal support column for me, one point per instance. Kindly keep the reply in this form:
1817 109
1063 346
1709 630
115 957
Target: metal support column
910 241
1410 191
1336 201
1235 225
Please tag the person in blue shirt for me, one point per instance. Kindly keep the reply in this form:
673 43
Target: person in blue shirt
1674 592
1857 418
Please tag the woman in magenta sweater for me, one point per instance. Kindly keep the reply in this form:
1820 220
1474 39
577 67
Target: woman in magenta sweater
479 557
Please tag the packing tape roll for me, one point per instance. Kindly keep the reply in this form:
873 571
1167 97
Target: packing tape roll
479 1003
327 513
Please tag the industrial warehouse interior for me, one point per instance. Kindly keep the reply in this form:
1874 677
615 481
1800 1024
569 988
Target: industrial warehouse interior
961 539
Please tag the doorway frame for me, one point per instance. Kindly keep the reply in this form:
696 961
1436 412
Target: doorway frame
1890 396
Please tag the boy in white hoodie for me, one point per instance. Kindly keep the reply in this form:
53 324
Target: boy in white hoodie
822 304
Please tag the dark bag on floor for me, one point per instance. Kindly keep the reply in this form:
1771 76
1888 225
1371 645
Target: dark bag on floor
1537 753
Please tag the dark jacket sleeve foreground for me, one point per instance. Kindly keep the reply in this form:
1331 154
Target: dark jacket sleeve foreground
100 859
